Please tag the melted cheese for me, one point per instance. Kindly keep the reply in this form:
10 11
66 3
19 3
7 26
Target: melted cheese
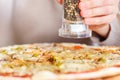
55 58
44 75
3 56
73 67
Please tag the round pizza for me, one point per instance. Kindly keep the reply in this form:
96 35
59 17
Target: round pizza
59 61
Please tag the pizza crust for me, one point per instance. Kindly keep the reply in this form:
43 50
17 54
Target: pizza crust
105 72
45 75
13 78
117 77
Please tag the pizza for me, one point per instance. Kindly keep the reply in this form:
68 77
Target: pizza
59 61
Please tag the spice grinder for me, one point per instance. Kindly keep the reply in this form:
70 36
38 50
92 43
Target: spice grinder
72 23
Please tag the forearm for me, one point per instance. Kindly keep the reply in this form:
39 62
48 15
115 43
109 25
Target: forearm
113 38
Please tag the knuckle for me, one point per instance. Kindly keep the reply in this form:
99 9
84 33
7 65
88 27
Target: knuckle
109 9
109 2
117 2
88 3
116 9
108 21
98 3
110 18
104 20
93 13
93 2
98 21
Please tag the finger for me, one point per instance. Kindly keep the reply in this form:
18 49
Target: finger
96 3
60 1
99 20
99 11
94 27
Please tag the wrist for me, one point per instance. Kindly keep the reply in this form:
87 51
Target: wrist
102 30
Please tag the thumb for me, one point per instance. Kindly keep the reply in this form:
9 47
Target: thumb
60 1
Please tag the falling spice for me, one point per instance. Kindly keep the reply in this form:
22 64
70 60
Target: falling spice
71 10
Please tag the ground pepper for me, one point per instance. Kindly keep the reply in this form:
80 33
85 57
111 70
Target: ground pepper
71 10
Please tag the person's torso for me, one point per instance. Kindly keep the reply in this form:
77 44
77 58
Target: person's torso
36 21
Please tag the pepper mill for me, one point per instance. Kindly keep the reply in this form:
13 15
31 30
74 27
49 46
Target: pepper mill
72 23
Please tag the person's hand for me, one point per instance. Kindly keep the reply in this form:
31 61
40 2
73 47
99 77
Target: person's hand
60 1
98 14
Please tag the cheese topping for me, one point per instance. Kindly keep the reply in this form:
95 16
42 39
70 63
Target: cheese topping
57 58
